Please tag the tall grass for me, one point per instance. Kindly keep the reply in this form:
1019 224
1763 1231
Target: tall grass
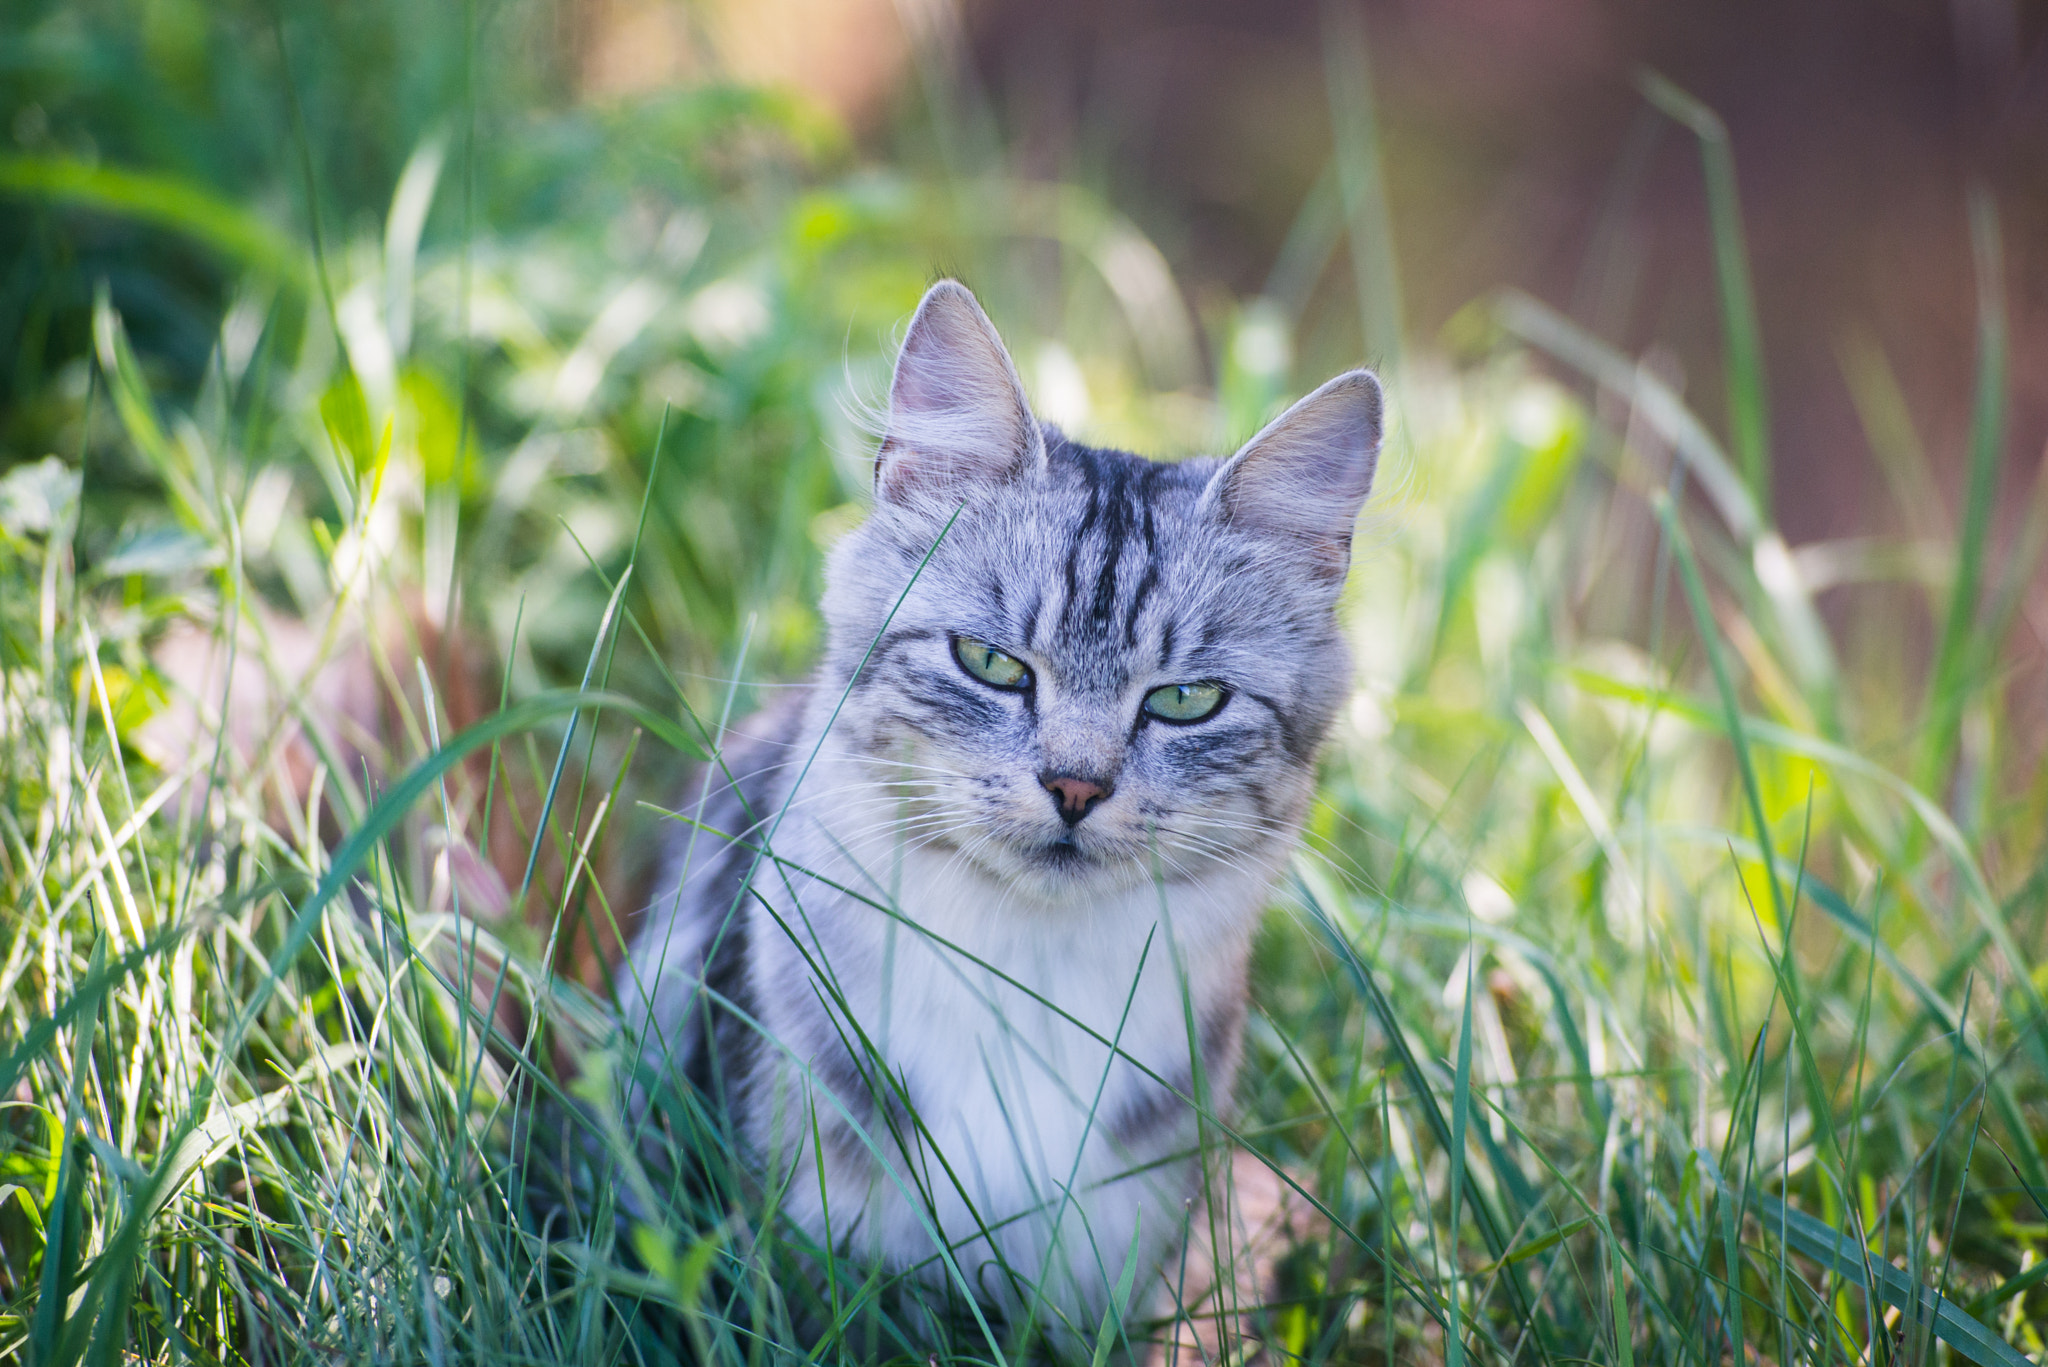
1653 988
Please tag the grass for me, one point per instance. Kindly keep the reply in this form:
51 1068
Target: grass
1661 983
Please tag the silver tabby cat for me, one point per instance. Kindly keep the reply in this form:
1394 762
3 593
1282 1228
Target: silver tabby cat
1018 833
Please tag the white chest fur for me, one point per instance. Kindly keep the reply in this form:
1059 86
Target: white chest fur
1038 1057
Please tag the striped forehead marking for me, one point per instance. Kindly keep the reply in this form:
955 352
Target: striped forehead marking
1118 522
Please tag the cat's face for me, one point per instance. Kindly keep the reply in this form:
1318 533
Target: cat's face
1077 668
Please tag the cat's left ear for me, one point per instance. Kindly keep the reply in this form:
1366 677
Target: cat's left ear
958 421
1304 478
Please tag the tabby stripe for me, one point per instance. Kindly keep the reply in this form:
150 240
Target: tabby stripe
948 698
1116 529
1070 572
1221 1025
1215 745
1288 736
890 640
1151 1106
1149 582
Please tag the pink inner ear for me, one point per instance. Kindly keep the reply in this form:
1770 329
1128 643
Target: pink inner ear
957 416
1312 504
935 365
1304 478
1302 506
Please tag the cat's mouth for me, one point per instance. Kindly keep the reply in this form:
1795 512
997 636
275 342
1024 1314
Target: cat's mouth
1062 855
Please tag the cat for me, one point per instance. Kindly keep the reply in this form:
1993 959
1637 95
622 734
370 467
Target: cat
959 935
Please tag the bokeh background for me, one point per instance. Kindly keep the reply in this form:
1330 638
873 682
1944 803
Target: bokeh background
1512 141
1518 150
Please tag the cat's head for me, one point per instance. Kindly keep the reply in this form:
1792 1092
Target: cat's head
1084 668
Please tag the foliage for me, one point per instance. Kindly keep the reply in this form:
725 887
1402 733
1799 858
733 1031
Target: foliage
1662 981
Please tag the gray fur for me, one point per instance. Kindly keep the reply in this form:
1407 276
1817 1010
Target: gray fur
919 791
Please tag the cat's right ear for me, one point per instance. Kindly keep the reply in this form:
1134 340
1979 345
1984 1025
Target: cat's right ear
958 420
1304 478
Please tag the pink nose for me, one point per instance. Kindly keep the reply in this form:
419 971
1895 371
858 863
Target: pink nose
1076 796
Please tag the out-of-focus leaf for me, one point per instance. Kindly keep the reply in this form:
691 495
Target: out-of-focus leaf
36 498
346 411
1549 424
131 700
159 551
436 422
162 200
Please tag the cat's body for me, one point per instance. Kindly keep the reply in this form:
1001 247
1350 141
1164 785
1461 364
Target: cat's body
1018 833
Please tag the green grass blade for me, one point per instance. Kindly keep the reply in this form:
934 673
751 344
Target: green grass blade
1618 1316
1749 424
1542 1243
1975 885
112 1284
1956 672
1731 706
1361 182
1892 436
101 978
1658 403
547 806
2019 1284
1461 1112
1497 1239
1113 1316
1841 1255
64 1226
1792 612
164 201
1305 254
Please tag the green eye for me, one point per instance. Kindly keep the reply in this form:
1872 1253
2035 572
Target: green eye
990 665
1184 702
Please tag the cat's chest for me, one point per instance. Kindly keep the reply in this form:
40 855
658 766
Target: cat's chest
1025 1036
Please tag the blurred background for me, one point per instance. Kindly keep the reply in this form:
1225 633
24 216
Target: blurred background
1518 149
1516 145
1501 143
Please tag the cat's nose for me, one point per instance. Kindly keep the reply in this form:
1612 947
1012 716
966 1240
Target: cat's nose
1075 796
